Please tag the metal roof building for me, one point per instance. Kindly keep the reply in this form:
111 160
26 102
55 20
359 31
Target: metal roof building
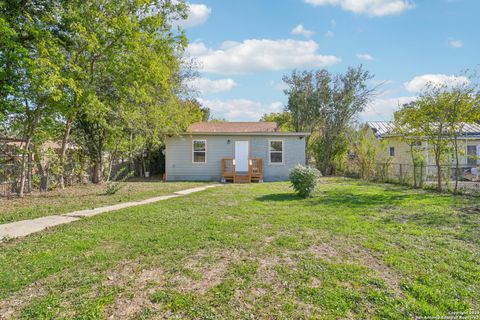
387 128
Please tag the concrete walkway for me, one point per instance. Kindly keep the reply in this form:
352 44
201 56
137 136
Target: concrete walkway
26 227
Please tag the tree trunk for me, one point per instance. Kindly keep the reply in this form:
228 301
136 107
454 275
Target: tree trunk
97 172
113 156
307 158
29 173
63 151
29 136
21 189
43 170
414 166
439 173
457 164
110 165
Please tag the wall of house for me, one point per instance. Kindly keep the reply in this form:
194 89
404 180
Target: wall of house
402 150
403 156
179 156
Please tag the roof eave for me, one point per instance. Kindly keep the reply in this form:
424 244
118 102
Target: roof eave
197 133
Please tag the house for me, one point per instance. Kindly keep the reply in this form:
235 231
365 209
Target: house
234 151
9 148
399 151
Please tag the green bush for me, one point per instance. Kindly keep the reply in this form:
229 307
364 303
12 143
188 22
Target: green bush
304 180
119 181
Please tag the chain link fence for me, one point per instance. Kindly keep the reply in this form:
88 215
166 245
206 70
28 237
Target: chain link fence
10 175
47 178
465 178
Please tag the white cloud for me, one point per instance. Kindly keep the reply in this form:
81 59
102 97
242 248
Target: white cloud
205 85
329 34
374 8
240 109
197 15
364 56
259 55
300 30
383 108
280 86
419 83
456 43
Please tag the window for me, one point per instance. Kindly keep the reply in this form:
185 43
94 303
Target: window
199 151
275 150
392 151
471 155
417 143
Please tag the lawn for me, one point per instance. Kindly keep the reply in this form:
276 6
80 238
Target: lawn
355 250
83 197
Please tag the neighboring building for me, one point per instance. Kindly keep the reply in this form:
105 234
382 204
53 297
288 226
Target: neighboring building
9 148
399 151
238 151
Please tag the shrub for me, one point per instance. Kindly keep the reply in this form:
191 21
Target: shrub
119 181
304 180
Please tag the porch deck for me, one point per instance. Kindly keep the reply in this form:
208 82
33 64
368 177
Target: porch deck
254 173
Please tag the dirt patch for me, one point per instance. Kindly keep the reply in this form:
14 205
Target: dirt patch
324 251
10 306
365 257
266 270
351 253
210 268
138 284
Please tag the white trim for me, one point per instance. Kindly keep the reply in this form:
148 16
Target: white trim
269 152
193 151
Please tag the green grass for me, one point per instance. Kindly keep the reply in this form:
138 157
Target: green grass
83 197
354 250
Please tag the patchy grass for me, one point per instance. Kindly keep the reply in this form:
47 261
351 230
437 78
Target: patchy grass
354 250
83 197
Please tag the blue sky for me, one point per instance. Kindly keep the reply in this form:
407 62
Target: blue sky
243 48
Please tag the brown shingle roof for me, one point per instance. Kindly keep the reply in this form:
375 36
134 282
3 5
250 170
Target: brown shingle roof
233 127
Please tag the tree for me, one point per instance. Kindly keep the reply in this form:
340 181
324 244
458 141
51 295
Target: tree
413 138
327 104
463 107
367 152
125 63
426 117
439 116
106 74
31 60
283 120
303 110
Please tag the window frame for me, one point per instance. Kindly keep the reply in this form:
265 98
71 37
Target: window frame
474 158
193 151
390 153
269 152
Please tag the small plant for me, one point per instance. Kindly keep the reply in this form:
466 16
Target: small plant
118 181
304 180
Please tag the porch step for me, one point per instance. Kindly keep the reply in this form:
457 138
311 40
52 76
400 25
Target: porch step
242 179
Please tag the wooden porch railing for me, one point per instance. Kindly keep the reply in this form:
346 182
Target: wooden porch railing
255 171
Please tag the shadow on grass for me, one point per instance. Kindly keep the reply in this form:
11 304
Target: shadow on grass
279 197
343 198
354 199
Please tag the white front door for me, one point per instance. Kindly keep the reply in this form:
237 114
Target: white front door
241 156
